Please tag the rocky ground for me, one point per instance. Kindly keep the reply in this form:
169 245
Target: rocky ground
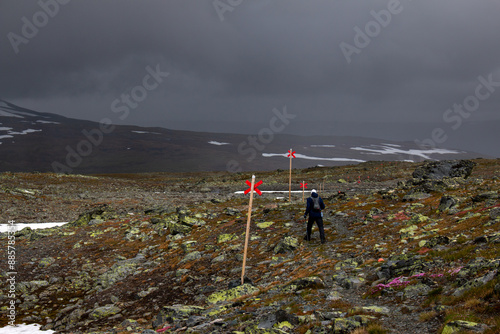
412 248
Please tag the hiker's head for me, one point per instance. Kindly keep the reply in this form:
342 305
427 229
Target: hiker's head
314 193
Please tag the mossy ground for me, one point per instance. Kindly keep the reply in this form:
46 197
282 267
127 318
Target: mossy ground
362 222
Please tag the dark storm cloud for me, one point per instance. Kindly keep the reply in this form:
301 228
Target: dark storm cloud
263 54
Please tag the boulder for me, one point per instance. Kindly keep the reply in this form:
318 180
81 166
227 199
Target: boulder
222 238
177 228
102 212
446 203
232 212
459 326
495 213
230 294
193 256
306 283
346 325
104 311
437 170
46 262
416 290
288 244
485 196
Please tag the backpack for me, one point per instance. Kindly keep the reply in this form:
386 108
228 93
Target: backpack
316 206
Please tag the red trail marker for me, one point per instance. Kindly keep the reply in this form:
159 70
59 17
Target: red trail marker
254 187
303 185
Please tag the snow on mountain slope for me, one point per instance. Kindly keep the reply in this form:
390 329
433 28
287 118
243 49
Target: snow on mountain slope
37 141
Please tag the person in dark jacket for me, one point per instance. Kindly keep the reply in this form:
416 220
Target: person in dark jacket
314 206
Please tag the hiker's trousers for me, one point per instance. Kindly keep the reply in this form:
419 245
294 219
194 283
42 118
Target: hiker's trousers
319 222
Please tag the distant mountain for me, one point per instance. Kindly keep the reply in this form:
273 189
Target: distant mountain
36 141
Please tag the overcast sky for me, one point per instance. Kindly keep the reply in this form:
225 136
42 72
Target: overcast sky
387 69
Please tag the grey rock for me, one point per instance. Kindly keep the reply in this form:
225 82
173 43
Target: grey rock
458 326
286 245
485 196
416 290
437 170
446 203
495 213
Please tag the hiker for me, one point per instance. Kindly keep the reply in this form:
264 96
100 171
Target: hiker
314 206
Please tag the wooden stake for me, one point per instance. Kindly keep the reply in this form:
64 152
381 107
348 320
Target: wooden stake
303 190
290 179
247 235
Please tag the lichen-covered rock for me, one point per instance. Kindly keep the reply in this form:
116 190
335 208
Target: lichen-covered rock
27 287
193 256
459 326
102 213
117 272
446 203
233 293
264 225
45 262
226 237
418 219
179 311
437 170
105 311
288 244
416 290
345 325
408 231
191 221
176 228
313 282
232 212
495 213
485 196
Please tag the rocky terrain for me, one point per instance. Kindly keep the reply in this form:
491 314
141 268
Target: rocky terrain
411 248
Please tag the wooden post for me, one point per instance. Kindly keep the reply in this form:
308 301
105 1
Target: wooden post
290 179
303 190
247 235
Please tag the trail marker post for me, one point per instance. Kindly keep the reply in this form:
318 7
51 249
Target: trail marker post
253 187
303 185
291 154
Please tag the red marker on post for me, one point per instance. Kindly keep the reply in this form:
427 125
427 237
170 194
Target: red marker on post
303 185
253 187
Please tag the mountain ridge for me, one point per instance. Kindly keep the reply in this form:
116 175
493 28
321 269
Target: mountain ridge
39 141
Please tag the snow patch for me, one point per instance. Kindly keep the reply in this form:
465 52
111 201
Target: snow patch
5 129
322 145
155 133
24 329
302 156
24 132
8 114
213 142
47 122
8 227
415 152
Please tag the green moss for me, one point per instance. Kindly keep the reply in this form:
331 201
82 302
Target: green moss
226 238
230 294
264 225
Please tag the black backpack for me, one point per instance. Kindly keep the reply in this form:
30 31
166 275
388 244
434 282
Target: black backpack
316 206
